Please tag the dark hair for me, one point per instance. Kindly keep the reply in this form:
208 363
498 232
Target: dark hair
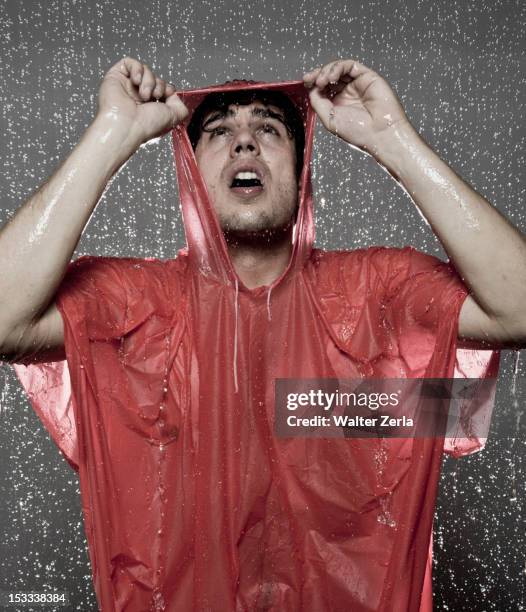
220 101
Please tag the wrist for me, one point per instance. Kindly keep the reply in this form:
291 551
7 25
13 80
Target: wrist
114 136
396 145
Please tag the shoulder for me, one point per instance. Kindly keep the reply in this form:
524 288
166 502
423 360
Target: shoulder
375 263
373 255
113 295
139 270
376 270
379 258
125 278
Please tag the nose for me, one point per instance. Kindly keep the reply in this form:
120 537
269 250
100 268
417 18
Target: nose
244 142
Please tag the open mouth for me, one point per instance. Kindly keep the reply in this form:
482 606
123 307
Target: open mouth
246 182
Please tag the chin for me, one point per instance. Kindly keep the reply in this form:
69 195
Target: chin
261 230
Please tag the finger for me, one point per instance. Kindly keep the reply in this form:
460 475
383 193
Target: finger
122 67
159 89
125 65
131 68
329 66
335 72
362 82
340 72
147 83
310 77
357 70
343 70
323 107
333 89
177 107
324 76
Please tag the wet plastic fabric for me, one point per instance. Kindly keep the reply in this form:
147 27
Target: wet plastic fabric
190 502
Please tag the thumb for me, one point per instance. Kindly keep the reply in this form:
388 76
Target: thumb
177 108
323 106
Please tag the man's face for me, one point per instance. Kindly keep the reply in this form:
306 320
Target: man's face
248 163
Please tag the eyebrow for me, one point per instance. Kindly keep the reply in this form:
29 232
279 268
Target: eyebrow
264 113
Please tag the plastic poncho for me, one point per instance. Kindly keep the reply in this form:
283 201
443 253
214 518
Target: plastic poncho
165 407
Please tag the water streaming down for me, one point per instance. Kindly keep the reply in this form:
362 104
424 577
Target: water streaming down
514 379
438 56
380 462
5 391
441 184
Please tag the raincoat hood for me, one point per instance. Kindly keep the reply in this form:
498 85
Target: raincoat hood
207 250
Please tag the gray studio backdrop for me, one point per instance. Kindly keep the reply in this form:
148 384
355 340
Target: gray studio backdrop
457 69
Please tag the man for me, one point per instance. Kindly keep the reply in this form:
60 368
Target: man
172 363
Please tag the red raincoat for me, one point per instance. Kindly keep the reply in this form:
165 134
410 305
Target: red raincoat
190 501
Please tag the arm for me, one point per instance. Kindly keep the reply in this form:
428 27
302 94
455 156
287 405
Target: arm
37 244
486 249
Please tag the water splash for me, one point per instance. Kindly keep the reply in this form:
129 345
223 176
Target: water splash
385 517
157 604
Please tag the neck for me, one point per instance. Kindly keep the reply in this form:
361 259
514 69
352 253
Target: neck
260 260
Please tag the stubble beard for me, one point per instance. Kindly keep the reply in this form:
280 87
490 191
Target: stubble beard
265 226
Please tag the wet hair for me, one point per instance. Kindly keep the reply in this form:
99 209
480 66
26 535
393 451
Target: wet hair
220 101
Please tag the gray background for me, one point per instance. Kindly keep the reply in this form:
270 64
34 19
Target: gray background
457 69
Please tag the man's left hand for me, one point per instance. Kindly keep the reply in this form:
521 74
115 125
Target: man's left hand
355 103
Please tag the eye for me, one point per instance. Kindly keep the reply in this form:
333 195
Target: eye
267 128
219 131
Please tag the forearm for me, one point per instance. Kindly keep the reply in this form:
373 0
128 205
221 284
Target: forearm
37 244
487 250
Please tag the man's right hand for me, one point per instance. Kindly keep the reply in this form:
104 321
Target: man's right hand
137 103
